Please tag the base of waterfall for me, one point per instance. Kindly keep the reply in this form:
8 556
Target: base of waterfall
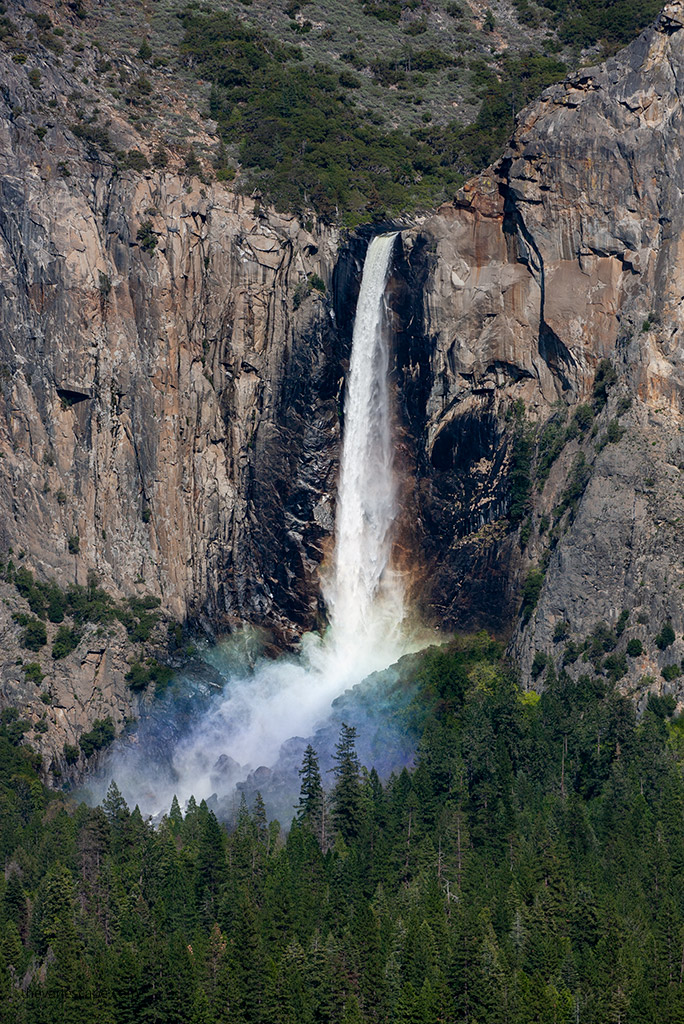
252 735
235 722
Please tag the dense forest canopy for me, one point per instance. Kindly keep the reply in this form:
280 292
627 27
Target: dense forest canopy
527 869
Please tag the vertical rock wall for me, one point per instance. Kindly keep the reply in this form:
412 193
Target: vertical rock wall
563 256
168 381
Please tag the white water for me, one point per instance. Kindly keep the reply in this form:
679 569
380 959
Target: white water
365 597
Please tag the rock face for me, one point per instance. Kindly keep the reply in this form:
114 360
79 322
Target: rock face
566 253
168 383
172 361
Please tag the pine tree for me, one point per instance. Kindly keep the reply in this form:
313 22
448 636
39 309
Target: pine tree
311 807
114 805
210 865
260 820
176 816
118 815
352 1012
346 796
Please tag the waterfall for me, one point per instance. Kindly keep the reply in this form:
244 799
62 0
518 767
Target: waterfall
364 596
292 696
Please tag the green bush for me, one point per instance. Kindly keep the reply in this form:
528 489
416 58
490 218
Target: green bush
13 726
34 634
532 588
160 157
670 672
551 442
606 376
578 478
66 640
383 10
146 238
571 653
138 617
615 666
635 648
601 640
101 735
26 585
140 676
520 473
665 637
56 602
192 164
90 603
582 419
614 432
137 677
561 630
33 673
662 707
71 753
95 135
134 160
539 663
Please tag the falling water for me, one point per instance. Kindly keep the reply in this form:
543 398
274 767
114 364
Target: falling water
365 597
291 697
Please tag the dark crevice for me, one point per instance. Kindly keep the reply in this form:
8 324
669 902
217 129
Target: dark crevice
71 397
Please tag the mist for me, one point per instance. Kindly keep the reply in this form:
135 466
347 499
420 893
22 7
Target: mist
224 728
246 727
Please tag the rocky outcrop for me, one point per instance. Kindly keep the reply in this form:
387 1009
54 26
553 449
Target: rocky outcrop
168 381
566 253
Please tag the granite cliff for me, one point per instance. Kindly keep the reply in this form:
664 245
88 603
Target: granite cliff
169 385
554 287
172 359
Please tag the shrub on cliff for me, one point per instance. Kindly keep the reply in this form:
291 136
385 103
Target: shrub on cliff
520 473
140 676
606 376
66 640
101 735
134 160
146 238
532 588
665 637
33 635
95 135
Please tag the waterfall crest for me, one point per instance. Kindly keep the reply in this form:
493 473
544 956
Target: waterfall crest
364 596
